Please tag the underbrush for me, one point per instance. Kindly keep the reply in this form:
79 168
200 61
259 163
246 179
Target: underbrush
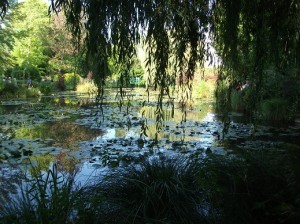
13 91
256 187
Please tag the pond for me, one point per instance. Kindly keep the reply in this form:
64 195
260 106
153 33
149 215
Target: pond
75 131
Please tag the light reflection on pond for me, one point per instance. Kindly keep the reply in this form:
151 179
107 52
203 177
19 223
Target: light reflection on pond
61 133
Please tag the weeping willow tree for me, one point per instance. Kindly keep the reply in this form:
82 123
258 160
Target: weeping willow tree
255 40
259 41
174 33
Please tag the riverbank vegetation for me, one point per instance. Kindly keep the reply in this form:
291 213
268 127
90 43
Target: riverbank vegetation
253 188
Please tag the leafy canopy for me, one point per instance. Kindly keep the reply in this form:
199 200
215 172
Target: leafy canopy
250 37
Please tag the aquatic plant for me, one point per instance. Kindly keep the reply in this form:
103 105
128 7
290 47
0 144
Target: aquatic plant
46 197
252 187
156 191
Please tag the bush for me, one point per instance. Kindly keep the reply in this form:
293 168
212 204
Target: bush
71 80
236 99
46 87
32 92
87 86
204 89
275 109
21 72
61 83
15 91
9 90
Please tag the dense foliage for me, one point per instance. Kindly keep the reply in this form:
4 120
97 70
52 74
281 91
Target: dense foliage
173 33
256 41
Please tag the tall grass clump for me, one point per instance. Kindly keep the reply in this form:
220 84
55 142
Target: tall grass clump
249 188
47 197
87 86
156 191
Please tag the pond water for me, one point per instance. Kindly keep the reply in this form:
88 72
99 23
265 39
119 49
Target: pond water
74 131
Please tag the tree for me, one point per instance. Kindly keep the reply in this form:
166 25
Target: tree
31 50
259 41
6 44
173 31
6 37
65 56
256 40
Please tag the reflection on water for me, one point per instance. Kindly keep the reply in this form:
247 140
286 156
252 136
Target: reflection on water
113 133
61 133
176 114
118 136
174 128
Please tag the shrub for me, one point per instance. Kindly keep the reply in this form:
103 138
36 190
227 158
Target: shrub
204 89
222 94
32 92
71 80
26 71
61 83
236 100
274 109
17 91
87 86
9 90
46 87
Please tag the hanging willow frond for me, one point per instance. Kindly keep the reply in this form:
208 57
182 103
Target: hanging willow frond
249 37
174 32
